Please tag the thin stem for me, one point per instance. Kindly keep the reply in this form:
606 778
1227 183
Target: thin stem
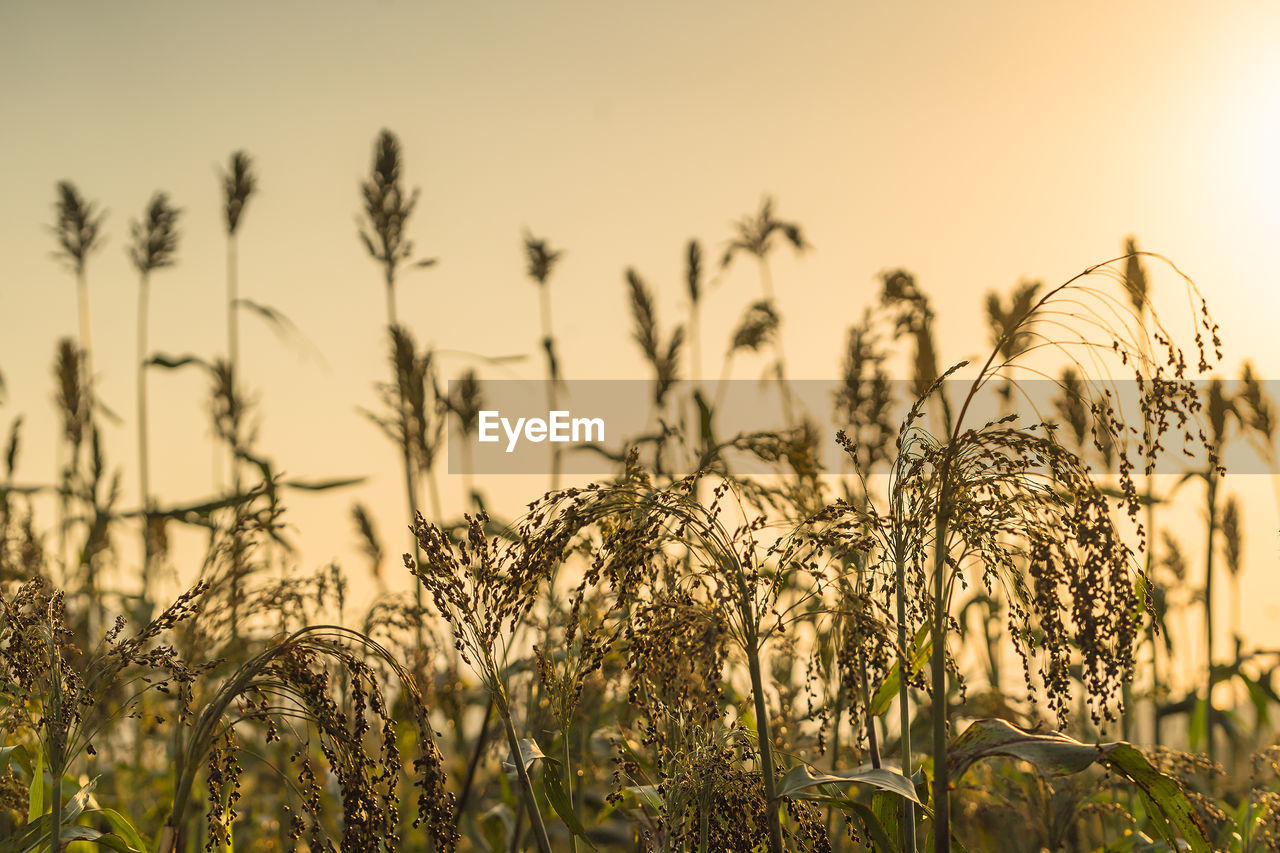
531 802
144 473
410 480
568 781
233 341
86 345
873 741
695 343
57 746
765 739
1151 579
548 345
1211 500
941 780
837 843
904 708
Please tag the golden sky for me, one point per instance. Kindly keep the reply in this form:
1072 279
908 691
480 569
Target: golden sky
971 143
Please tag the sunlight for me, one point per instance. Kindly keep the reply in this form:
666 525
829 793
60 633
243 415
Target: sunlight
1249 135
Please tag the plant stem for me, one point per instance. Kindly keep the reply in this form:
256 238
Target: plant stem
765 739
233 347
57 746
873 742
233 296
904 708
410 480
568 782
82 293
143 468
1151 579
548 345
941 780
1211 500
531 802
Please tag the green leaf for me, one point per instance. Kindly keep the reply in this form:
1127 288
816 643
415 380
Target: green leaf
7 753
888 811
1052 753
126 830
79 801
921 648
531 752
35 798
1196 725
1055 754
883 841
560 800
1166 800
800 778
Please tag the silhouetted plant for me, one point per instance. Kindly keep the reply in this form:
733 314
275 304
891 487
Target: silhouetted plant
154 247
757 236
370 544
464 401
387 207
542 259
79 232
664 358
239 183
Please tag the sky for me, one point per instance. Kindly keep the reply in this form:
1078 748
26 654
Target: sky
974 144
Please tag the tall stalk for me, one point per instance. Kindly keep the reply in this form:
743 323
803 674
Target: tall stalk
1137 287
756 237
904 707
1098 541
1218 409
144 474
57 737
693 282
387 207
155 245
238 183
78 228
79 232
542 260
764 738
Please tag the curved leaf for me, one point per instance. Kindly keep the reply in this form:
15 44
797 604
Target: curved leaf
1052 753
800 778
921 648
1055 754
551 785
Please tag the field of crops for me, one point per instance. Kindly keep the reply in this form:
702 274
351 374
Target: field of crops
958 638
